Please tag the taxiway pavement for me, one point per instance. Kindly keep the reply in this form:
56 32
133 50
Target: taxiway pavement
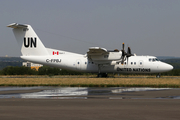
148 105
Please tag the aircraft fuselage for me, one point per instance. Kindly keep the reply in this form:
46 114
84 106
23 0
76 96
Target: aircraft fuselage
135 64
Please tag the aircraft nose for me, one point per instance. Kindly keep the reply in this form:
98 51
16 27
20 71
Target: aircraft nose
165 67
169 67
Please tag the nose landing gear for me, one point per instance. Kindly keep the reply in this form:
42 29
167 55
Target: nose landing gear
158 75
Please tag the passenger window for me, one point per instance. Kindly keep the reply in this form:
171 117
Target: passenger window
140 63
131 63
85 63
149 59
154 60
134 63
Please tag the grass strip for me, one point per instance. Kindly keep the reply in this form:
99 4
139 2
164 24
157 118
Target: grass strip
92 85
93 82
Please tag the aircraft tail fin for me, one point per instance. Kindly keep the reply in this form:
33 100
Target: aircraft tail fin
28 40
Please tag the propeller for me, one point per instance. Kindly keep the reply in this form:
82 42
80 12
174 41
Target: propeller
125 54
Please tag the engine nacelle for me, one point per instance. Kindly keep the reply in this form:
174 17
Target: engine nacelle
113 63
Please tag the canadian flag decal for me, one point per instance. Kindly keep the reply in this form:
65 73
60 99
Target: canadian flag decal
55 53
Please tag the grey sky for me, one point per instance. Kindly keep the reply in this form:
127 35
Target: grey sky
149 27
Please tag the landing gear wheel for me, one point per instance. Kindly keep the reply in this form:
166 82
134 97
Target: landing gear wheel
102 75
158 75
99 75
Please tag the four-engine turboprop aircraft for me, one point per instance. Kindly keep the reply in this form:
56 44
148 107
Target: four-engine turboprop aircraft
97 60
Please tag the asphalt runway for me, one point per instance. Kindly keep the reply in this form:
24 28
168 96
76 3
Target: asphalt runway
97 103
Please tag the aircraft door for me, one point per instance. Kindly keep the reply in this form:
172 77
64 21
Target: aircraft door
78 64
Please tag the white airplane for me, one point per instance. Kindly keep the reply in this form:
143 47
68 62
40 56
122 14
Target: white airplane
97 60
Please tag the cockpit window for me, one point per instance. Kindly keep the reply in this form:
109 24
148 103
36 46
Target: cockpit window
157 59
153 59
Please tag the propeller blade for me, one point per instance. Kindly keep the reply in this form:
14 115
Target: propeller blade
122 62
123 46
129 50
123 54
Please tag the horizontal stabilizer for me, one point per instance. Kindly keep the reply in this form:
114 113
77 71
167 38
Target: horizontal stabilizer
15 25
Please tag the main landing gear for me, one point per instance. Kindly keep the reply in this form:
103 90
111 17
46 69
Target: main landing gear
102 75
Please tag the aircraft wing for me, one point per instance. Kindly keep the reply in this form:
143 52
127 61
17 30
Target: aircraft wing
97 51
102 56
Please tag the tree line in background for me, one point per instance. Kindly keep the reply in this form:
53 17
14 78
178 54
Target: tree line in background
45 70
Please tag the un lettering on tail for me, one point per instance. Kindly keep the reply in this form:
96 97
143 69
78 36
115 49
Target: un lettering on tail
28 41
